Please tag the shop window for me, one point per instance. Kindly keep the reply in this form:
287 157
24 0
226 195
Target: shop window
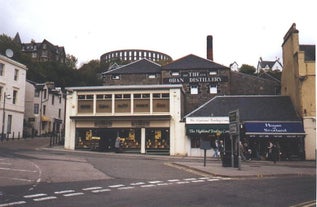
157 138
130 139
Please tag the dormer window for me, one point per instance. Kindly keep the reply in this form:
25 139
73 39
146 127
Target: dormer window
176 73
115 77
151 76
213 72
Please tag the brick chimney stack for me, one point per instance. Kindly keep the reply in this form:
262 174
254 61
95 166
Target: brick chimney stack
210 54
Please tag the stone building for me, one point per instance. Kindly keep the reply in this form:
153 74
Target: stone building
202 79
299 82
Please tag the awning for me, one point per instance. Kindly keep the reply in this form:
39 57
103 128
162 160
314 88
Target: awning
274 129
45 118
198 129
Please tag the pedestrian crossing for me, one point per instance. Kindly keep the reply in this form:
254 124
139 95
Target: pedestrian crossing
65 193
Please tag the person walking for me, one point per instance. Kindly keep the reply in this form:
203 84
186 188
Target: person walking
275 153
117 144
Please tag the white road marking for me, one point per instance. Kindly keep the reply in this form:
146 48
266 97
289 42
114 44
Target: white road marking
126 188
17 179
12 204
73 194
138 183
44 198
174 180
101 190
183 182
155 182
116 186
162 184
198 181
35 195
64 191
190 179
92 188
147 186
17 170
213 179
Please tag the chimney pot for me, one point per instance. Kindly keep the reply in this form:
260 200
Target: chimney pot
210 55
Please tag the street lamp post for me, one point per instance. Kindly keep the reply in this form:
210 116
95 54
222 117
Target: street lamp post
5 96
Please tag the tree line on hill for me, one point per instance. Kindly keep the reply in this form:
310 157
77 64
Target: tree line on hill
62 74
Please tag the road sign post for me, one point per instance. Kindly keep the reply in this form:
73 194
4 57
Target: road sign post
234 129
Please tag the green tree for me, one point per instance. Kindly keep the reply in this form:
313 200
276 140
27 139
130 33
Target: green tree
89 73
71 61
248 69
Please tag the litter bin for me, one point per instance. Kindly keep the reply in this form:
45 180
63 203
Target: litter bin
226 160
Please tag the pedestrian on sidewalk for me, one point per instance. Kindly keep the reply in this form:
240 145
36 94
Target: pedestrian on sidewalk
275 152
117 144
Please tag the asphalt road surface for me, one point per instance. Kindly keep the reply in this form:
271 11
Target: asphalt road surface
31 176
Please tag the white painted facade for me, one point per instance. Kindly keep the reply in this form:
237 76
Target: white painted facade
12 96
44 109
169 119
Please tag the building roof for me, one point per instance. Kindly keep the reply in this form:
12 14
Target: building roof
251 108
192 62
137 67
270 64
310 52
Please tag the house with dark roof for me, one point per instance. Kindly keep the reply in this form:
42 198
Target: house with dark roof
42 51
261 118
266 65
139 72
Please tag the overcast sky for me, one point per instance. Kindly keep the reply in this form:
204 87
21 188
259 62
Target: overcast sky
243 30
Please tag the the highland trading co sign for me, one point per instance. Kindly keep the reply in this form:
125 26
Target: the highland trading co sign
195 77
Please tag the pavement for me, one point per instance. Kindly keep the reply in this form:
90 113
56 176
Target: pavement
252 168
214 166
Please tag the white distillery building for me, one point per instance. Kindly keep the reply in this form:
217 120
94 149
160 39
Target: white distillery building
44 109
145 118
12 95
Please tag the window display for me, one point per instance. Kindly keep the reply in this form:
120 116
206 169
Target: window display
157 139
